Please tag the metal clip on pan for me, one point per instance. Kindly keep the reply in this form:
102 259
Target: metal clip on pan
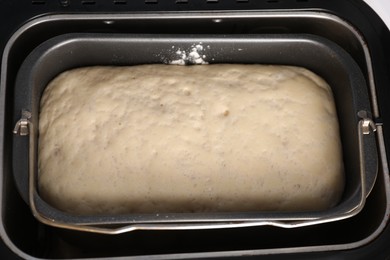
24 127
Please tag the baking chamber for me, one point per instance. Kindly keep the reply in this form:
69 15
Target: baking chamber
312 52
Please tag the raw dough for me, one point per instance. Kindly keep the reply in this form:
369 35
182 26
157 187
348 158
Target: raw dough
204 138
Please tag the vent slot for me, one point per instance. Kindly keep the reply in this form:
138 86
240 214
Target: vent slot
38 2
88 2
181 2
212 1
64 2
242 1
151 1
120 2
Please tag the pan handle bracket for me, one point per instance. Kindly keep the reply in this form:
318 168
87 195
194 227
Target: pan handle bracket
22 126
367 123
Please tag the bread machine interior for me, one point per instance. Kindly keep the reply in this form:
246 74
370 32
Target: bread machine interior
355 109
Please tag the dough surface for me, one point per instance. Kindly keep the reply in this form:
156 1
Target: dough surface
204 138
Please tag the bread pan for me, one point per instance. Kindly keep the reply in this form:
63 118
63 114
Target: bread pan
317 54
